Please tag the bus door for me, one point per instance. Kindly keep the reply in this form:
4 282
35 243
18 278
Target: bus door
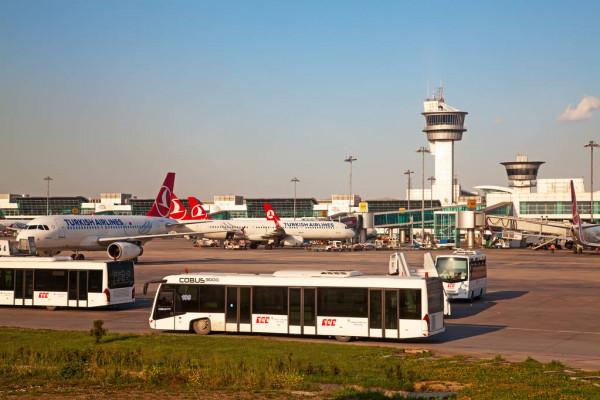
302 316
164 310
383 313
237 313
78 289
24 287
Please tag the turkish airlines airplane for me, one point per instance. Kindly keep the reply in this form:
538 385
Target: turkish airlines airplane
272 230
122 237
585 234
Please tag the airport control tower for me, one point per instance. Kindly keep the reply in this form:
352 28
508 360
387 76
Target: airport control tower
443 125
522 173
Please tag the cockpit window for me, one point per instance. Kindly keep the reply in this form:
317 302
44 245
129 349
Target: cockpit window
32 227
46 227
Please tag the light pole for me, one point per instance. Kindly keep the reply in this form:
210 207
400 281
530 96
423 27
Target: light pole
48 179
423 150
591 145
350 160
431 180
408 172
295 181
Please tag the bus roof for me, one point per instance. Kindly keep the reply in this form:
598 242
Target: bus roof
293 278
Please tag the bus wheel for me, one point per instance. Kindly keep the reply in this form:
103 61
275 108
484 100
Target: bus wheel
343 339
201 326
51 308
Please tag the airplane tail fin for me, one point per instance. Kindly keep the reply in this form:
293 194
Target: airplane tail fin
576 217
177 210
162 203
197 211
271 214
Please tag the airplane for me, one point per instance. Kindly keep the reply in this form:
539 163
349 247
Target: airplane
122 237
271 231
296 232
587 235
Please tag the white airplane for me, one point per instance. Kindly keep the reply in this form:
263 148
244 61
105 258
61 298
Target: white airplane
272 230
587 235
123 237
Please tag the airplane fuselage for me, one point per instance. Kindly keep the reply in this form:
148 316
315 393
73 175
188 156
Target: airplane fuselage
261 230
81 232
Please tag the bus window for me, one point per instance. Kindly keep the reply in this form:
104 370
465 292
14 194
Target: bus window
186 299
51 280
452 269
95 281
212 298
410 303
7 279
343 302
120 274
270 300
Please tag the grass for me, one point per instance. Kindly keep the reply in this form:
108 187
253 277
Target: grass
58 364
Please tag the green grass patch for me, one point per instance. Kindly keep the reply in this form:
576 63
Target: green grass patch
62 363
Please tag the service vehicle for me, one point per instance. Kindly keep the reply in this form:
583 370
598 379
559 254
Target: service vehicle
339 303
464 274
61 282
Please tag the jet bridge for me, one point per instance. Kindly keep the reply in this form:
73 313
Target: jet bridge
536 227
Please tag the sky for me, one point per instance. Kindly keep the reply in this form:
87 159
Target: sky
238 97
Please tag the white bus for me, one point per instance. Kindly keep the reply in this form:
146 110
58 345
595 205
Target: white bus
464 274
60 282
344 304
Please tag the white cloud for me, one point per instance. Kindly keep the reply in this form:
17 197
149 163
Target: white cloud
582 111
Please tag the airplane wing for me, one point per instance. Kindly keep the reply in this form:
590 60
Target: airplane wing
144 237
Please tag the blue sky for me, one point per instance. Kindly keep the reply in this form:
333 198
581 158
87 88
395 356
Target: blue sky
238 97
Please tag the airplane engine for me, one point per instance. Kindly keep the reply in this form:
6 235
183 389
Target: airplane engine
293 241
122 251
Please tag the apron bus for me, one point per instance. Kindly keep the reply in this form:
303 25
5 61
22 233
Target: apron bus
60 282
464 274
344 304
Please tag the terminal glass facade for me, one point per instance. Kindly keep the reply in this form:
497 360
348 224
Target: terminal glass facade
556 207
395 205
36 206
400 218
284 207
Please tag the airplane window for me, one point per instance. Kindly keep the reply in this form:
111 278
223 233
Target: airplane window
32 227
46 227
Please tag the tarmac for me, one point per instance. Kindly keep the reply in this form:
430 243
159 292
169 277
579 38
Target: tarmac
539 304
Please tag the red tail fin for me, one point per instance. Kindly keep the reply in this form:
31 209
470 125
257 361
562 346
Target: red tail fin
271 214
576 218
177 210
198 212
162 203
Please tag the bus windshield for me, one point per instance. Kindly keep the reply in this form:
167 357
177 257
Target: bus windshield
452 269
